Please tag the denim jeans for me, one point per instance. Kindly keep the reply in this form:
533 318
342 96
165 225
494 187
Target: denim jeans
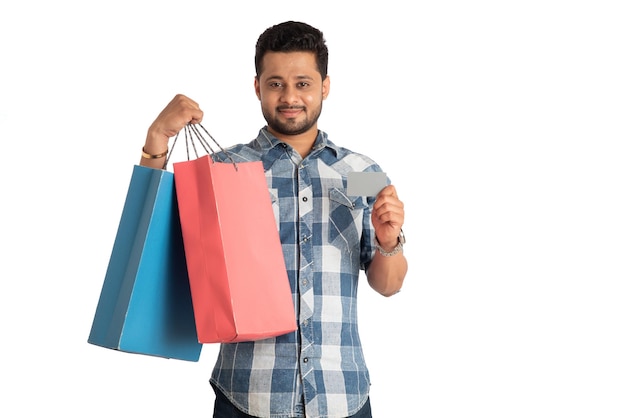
224 409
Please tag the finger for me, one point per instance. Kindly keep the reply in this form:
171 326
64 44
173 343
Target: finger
387 190
388 212
391 217
388 202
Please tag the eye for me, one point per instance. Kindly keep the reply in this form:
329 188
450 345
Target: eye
303 84
275 85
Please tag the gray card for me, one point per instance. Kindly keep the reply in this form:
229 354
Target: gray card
366 184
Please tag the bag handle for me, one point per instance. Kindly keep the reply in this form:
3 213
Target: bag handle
193 135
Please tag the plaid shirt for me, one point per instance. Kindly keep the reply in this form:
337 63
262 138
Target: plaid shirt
327 238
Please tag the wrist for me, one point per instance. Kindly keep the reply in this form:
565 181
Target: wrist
156 141
149 155
393 249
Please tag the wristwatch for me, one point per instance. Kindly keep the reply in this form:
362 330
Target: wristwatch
397 248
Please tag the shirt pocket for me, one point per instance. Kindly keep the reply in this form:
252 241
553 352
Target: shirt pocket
345 220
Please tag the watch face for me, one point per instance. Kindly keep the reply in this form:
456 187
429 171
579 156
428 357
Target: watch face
401 237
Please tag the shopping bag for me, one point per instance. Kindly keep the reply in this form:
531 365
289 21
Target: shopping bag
145 303
239 285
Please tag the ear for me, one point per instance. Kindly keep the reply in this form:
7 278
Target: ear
257 88
325 87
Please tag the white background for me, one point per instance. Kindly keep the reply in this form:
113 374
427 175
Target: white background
501 123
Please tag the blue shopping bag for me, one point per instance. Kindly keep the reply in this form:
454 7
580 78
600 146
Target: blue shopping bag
145 304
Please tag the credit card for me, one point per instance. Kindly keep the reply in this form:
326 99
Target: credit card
366 184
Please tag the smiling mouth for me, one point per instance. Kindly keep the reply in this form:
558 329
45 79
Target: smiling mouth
291 111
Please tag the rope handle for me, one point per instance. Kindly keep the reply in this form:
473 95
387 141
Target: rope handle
193 135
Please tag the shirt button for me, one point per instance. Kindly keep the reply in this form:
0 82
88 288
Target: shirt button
304 199
306 359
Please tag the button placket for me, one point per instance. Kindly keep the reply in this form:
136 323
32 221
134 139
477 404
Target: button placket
305 277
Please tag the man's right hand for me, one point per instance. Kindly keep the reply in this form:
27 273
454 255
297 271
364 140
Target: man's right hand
178 113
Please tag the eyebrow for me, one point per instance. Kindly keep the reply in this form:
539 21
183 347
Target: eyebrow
299 77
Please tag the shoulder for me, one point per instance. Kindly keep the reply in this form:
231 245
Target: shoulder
243 152
352 160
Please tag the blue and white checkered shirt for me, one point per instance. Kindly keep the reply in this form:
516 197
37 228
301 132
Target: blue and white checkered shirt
327 238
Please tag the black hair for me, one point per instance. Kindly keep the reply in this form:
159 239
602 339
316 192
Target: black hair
292 37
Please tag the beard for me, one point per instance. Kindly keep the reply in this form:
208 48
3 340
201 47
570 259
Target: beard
292 126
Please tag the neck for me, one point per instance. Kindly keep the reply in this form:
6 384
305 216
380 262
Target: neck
302 143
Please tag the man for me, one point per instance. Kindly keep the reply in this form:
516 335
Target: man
327 238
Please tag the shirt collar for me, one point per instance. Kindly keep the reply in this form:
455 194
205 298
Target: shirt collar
266 142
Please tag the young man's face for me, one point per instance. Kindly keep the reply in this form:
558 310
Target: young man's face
291 91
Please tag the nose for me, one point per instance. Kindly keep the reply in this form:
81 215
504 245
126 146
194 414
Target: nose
289 95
